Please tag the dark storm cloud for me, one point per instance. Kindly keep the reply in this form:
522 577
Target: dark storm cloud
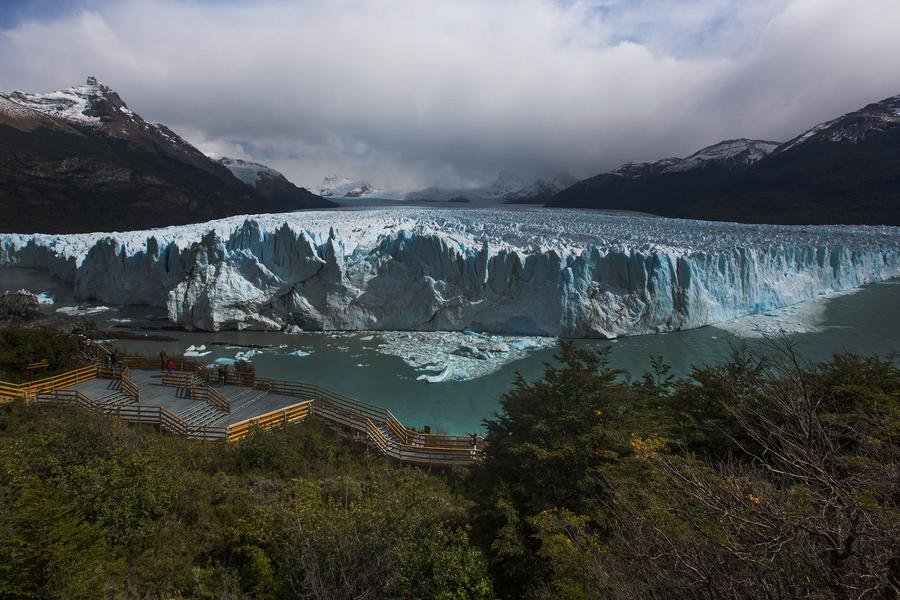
409 93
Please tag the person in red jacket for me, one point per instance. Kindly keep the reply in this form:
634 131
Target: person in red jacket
170 366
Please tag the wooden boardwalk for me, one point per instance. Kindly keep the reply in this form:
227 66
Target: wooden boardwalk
246 402
191 402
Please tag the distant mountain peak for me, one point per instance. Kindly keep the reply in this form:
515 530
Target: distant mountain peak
540 190
507 182
338 186
93 104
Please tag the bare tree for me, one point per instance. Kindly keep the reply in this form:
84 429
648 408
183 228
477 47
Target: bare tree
808 507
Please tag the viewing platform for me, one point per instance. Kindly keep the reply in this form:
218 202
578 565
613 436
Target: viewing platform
242 402
193 402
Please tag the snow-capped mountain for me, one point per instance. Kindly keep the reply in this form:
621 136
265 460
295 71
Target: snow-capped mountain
853 127
271 185
541 190
79 159
96 106
730 153
846 170
506 183
337 186
92 104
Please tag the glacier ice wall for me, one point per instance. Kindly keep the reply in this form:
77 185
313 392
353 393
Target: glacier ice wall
531 271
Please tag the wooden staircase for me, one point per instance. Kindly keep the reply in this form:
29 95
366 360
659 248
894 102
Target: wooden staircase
202 415
115 398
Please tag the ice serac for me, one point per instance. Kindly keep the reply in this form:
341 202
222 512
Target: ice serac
534 272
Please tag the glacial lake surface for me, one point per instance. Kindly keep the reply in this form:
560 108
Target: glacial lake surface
865 322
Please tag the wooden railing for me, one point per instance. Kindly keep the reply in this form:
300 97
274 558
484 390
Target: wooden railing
129 388
14 391
106 371
409 446
212 396
178 379
364 418
218 399
376 436
93 353
376 423
160 416
353 413
402 433
180 363
270 420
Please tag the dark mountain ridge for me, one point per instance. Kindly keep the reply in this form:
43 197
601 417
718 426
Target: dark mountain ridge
843 171
79 160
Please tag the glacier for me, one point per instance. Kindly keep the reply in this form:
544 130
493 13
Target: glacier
506 271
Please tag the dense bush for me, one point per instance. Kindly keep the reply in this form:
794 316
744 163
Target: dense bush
94 508
761 477
22 345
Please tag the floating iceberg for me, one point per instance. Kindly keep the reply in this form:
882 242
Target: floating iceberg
442 376
46 298
427 352
518 272
82 310
197 351
223 361
247 355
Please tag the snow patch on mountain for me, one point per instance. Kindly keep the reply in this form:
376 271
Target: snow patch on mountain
12 109
739 152
72 104
248 172
742 151
852 127
633 170
88 104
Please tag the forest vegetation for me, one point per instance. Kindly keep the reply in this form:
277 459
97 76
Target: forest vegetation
763 476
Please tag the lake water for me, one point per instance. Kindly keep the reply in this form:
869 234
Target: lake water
865 322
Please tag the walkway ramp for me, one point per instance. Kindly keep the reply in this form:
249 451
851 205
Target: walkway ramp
191 403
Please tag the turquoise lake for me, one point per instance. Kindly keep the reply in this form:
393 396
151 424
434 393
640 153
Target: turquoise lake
865 322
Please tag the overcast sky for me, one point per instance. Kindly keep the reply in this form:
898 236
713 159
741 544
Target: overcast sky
410 93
